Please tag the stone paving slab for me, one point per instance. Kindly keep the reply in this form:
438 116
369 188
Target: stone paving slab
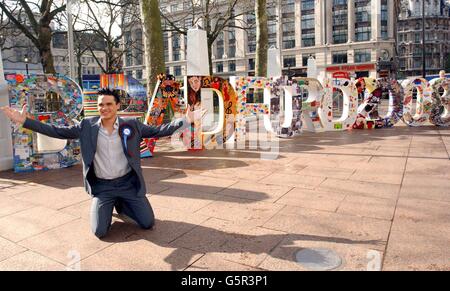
215 262
30 222
258 191
367 207
54 196
410 252
137 254
9 249
369 189
379 199
247 212
313 199
30 261
426 187
354 257
10 205
243 244
331 226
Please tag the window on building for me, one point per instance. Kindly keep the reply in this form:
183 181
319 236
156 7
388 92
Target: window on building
177 71
308 23
232 67
220 46
288 23
176 56
289 61
340 57
363 56
219 67
251 33
384 19
232 51
251 64
174 8
166 46
340 21
176 47
128 58
139 58
417 38
139 74
231 44
272 23
403 51
363 20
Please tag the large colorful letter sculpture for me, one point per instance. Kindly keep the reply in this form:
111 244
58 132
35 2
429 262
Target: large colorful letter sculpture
282 108
440 108
423 103
200 93
245 110
166 101
50 99
59 100
310 107
395 93
350 104
368 111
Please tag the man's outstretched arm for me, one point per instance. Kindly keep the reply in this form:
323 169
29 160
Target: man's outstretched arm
169 128
148 131
61 132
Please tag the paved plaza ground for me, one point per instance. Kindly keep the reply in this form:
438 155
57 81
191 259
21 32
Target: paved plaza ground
378 199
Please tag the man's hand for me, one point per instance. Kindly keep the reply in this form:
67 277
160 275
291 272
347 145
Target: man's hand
14 115
190 115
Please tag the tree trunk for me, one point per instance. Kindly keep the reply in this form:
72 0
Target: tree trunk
210 47
80 73
262 38
153 42
45 51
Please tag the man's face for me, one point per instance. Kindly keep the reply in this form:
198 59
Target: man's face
107 106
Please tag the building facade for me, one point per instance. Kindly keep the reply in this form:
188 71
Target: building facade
437 37
20 55
342 35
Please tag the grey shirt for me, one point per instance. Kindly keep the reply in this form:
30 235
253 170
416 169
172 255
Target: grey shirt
110 161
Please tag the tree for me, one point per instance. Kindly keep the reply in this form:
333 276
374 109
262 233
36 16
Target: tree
153 42
214 16
13 45
262 38
102 19
33 19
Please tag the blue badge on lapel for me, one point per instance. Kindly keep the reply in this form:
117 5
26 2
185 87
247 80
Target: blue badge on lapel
126 132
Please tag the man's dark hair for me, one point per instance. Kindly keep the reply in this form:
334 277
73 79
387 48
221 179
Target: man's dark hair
110 92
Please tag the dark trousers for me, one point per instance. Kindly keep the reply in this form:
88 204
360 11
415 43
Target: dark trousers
120 192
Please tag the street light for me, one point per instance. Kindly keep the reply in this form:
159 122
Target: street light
424 68
26 60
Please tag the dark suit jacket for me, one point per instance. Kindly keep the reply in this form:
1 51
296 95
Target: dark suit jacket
87 131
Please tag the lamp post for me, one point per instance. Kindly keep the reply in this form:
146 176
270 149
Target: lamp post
70 38
424 69
26 60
